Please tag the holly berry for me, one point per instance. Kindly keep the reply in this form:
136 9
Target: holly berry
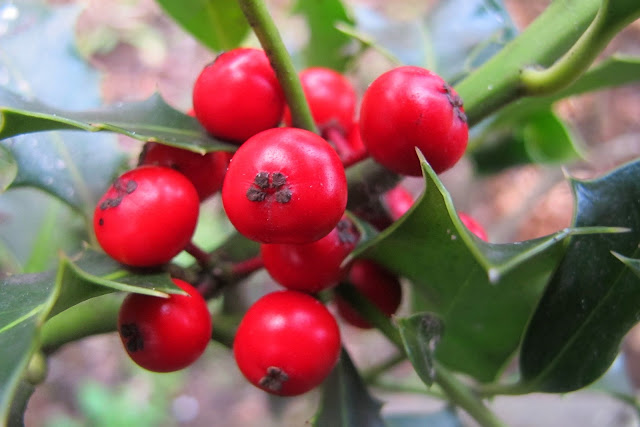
206 172
410 107
473 226
287 343
165 334
331 98
285 185
375 283
238 95
147 216
311 267
397 201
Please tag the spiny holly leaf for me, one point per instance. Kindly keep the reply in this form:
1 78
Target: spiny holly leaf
149 120
420 334
593 298
94 273
327 45
218 24
345 399
66 166
539 138
24 305
484 293
27 300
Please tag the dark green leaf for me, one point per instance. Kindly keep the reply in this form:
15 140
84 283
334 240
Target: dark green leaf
26 300
484 293
420 335
94 273
539 138
327 45
149 120
218 24
345 399
593 298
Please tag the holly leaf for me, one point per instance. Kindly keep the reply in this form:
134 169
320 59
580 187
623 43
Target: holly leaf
345 399
25 303
593 298
218 24
420 334
29 299
327 46
539 138
149 120
484 293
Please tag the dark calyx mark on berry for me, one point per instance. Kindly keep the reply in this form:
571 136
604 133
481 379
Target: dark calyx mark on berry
262 188
132 334
274 379
347 232
122 189
456 102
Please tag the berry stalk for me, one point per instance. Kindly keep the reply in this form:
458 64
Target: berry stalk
265 29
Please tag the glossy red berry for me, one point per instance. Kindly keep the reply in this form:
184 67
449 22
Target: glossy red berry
147 216
331 97
410 107
238 95
312 267
285 185
397 201
165 334
377 284
473 226
287 343
205 171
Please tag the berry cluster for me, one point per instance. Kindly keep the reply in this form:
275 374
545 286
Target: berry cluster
285 188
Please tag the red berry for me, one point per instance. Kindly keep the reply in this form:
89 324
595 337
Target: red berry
397 201
147 216
331 97
206 172
410 107
377 284
285 185
238 95
287 343
311 267
473 226
165 334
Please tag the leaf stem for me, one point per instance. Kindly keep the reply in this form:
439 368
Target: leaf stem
578 59
464 397
265 29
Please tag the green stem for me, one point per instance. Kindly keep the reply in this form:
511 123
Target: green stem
456 391
94 316
497 82
401 388
464 397
372 374
100 315
581 55
494 389
265 29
